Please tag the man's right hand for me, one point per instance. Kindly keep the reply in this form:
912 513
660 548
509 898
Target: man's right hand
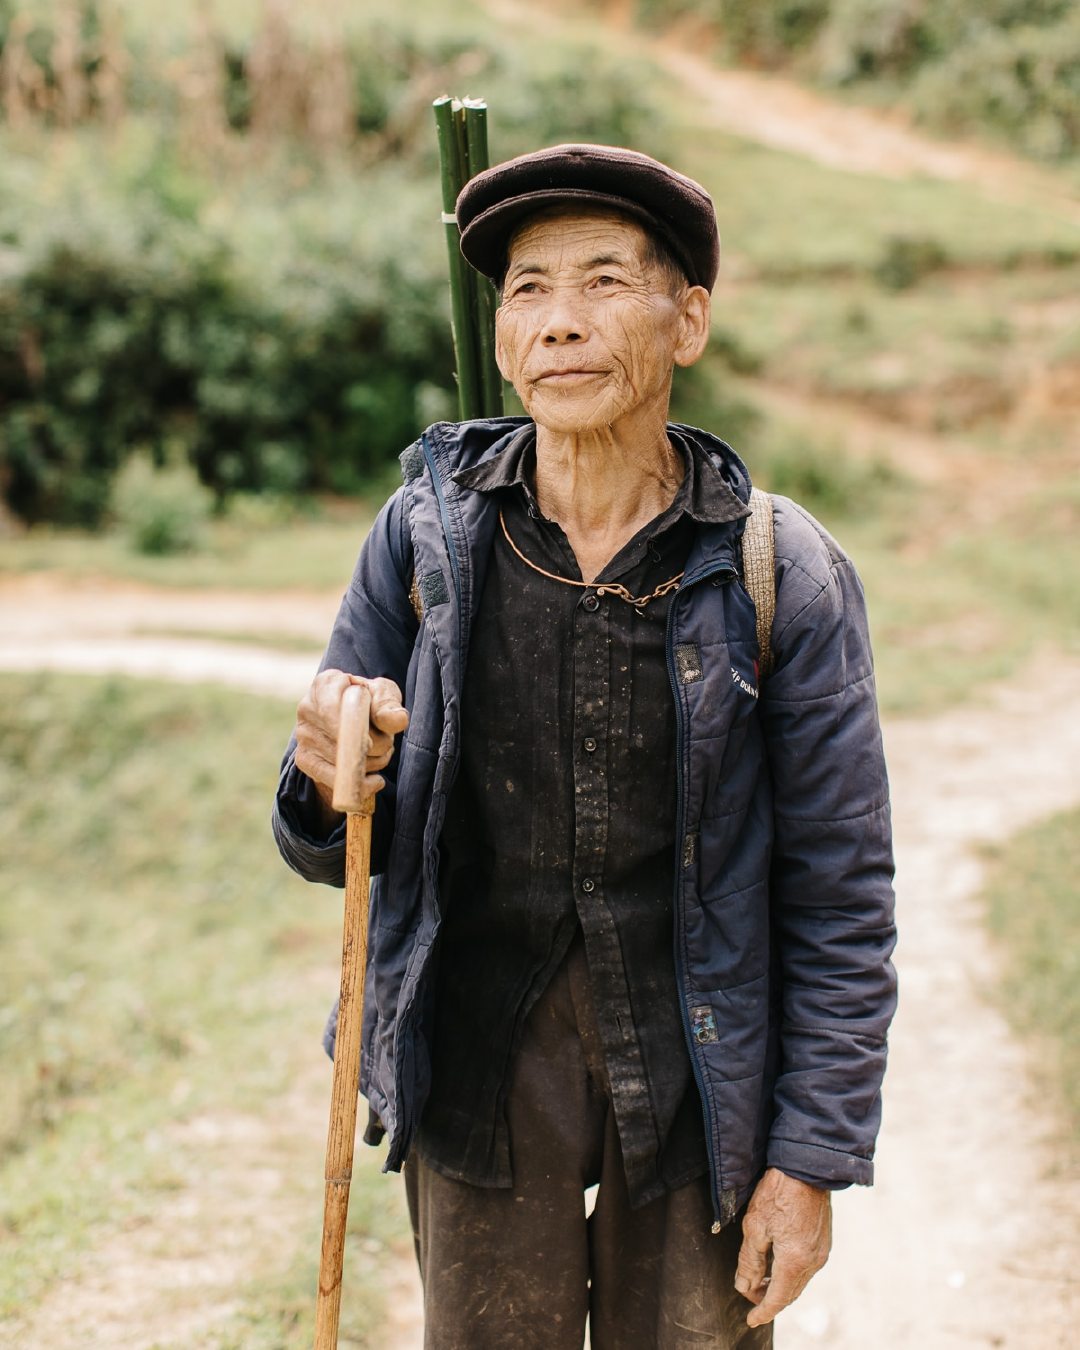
318 720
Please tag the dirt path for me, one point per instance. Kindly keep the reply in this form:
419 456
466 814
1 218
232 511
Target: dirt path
969 1237
55 623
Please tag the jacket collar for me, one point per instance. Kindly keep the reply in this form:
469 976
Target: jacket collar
705 494
461 446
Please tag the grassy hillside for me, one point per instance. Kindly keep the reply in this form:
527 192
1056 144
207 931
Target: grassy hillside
165 980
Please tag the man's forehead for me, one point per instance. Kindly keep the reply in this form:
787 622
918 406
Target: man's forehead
581 237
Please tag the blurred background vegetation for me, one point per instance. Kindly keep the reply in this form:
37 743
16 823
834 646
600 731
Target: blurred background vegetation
223 299
1007 69
223 314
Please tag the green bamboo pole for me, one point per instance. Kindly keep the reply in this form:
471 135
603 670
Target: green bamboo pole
464 332
471 276
491 386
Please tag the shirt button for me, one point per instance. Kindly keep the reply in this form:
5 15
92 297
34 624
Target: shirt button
589 743
591 603
588 885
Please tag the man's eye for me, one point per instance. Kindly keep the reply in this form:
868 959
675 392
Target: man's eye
525 288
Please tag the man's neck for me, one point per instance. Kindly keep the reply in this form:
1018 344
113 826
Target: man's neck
602 486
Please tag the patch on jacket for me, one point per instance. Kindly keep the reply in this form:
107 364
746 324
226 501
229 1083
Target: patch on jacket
703 1026
412 463
689 849
432 587
688 662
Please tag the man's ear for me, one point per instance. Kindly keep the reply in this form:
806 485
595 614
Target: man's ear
693 326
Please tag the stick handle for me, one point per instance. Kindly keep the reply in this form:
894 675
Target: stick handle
354 737
353 741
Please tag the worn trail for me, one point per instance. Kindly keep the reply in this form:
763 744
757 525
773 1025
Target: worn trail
970 1236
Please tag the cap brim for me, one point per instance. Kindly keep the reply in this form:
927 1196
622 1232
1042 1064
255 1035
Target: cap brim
485 240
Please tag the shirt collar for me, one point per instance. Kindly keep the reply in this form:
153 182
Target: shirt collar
704 494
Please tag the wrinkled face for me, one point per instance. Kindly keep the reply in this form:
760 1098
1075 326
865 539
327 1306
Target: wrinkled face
590 327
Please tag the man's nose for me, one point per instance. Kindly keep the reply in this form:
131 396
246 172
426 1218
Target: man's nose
563 324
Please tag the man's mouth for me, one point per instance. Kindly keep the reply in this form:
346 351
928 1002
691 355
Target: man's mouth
572 375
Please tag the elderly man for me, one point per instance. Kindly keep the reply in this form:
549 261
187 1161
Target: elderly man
632 914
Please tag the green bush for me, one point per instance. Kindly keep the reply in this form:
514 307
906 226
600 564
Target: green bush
763 33
283 360
162 509
822 477
906 259
1023 83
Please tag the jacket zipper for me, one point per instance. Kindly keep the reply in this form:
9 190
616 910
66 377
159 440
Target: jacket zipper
729 574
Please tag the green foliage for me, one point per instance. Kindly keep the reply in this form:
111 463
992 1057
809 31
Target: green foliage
163 509
1022 83
1011 67
905 259
824 477
1030 898
260 542
284 326
547 94
281 354
701 397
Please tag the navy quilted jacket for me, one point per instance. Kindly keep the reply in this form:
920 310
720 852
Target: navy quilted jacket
783 867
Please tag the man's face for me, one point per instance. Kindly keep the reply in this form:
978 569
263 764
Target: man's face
590 328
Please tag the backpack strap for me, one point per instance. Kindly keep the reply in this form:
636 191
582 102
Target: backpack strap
416 600
759 572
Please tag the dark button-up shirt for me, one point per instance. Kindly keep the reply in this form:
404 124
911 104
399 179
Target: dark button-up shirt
564 815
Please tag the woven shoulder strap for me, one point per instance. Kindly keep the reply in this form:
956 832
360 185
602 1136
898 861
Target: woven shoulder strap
416 600
759 572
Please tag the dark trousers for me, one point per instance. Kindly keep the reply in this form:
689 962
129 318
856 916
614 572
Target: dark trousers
521 1268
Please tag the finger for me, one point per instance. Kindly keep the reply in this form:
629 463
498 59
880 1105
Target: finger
388 712
314 766
314 744
315 756
785 1286
751 1272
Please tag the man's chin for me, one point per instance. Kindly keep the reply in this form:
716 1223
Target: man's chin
570 417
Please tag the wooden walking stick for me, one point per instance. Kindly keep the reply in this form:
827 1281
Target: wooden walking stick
352 752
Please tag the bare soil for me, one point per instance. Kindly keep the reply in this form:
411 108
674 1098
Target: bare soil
56 623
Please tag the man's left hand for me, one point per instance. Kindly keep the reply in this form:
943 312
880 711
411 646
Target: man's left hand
791 1222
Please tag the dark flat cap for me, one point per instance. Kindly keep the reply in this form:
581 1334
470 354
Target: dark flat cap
492 205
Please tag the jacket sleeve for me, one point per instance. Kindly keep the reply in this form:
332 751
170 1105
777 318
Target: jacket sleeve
831 876
373 635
